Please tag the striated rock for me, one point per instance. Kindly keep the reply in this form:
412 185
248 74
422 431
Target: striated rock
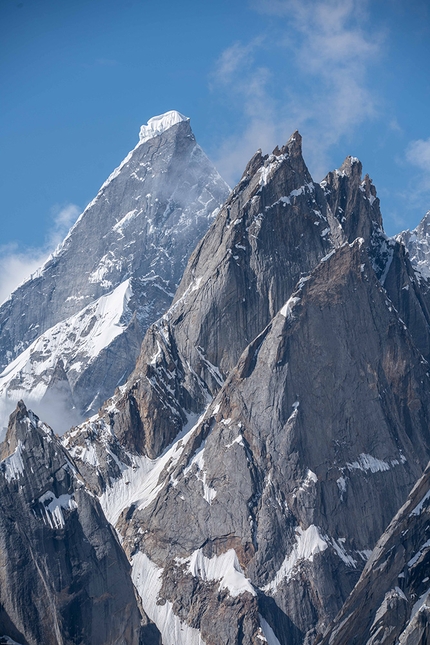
271 231
280 492
303 353
63 575
391 602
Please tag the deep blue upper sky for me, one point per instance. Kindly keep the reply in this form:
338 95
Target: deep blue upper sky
79 77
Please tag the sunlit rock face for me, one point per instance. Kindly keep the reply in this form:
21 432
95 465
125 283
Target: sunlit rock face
255 520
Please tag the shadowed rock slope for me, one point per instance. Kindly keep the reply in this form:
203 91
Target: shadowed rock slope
390 603
64 576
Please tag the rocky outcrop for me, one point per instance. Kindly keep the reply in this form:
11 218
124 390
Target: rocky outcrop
88 307
417 243
64 576
391 602
354 202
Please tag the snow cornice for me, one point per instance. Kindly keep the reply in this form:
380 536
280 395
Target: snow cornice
159 124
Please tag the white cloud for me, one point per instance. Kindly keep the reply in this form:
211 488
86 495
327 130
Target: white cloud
327 52
17 264
418 154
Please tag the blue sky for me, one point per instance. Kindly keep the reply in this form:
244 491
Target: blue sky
79 77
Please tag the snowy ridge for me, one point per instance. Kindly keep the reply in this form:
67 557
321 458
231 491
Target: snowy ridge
155 126
309 542
417 243
139 483
76 342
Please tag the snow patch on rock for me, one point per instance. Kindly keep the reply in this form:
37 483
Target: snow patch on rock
225 568
309 542
140 483
146 577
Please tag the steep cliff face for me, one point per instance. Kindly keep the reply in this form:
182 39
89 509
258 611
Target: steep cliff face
256 522
277 417
391 602
354 202
64 576
84 313
281 491
272 230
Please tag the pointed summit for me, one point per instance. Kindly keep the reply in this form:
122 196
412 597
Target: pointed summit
159 124
353 201
417 243
238 277
114 274
351 166
293 145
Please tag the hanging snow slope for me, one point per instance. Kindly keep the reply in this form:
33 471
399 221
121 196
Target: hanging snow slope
60 356
418 244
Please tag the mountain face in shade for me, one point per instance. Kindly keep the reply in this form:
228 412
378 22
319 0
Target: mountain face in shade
71 333
391 602
64 576
276 419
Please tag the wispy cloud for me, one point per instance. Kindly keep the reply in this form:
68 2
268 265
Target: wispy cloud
418 154
17 264
326 50
246 84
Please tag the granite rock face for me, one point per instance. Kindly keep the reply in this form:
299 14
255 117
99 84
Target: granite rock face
354 203
271 231
64 576
391 602
85 312
281 491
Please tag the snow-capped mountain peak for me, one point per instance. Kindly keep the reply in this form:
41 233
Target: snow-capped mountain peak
159 124
141 226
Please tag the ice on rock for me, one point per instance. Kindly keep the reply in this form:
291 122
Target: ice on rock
53 507
14 465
